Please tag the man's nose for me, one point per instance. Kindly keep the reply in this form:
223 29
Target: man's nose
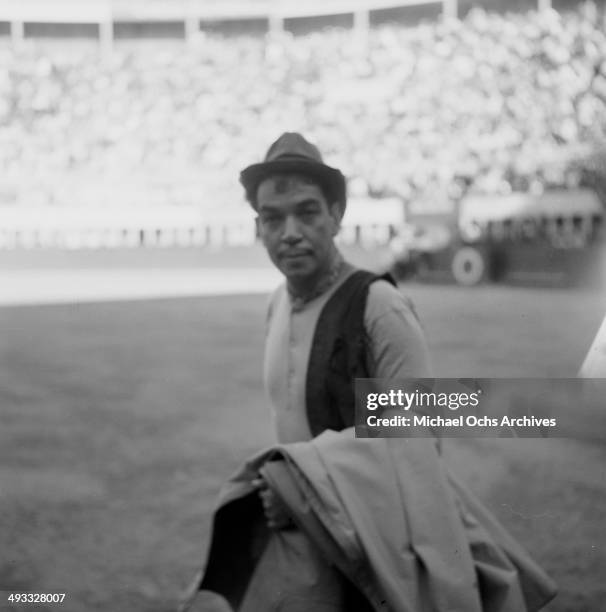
291 231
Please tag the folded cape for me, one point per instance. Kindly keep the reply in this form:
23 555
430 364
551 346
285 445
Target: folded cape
387 514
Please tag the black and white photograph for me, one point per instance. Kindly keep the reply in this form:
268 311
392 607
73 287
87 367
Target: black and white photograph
303 305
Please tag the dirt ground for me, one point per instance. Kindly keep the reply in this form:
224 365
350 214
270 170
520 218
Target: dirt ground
119 421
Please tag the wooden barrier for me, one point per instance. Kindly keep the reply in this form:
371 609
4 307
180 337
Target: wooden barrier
213 236
367 222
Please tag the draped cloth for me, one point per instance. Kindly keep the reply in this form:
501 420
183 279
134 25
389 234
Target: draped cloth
384 515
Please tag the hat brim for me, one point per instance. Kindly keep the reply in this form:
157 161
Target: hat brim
331 179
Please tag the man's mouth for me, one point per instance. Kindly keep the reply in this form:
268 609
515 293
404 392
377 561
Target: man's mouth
294 254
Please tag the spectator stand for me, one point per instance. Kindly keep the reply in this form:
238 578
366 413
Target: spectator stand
493 104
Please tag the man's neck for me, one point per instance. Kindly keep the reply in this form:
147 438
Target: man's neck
305 292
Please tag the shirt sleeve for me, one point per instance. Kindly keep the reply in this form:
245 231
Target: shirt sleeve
398 348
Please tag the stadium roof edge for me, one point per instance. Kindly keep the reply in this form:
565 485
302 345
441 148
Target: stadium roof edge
94 11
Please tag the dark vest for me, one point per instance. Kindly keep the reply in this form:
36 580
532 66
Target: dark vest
339 355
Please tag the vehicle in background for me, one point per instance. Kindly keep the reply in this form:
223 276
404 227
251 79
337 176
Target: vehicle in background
556 238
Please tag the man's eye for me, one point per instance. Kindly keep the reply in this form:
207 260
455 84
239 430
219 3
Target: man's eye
271 219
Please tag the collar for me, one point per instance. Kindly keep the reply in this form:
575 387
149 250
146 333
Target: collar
298 300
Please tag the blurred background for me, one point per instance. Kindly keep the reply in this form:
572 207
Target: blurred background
481 125
473 136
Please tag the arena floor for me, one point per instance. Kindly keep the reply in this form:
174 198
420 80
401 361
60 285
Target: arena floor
119 420
95 285
59 277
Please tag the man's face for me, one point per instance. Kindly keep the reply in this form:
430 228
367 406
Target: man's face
297 226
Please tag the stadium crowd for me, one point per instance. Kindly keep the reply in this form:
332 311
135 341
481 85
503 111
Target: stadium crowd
492 102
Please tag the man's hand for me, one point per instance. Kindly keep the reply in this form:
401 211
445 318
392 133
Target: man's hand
276 513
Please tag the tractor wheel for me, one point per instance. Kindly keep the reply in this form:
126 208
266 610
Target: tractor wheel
469 266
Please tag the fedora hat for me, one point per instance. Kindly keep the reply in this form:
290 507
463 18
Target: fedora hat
292 153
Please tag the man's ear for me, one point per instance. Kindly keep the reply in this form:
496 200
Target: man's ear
260 232
336 214
258 227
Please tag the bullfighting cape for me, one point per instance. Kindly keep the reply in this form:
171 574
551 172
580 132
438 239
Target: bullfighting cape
387 513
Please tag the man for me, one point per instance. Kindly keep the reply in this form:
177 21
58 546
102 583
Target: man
344 523
300 203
